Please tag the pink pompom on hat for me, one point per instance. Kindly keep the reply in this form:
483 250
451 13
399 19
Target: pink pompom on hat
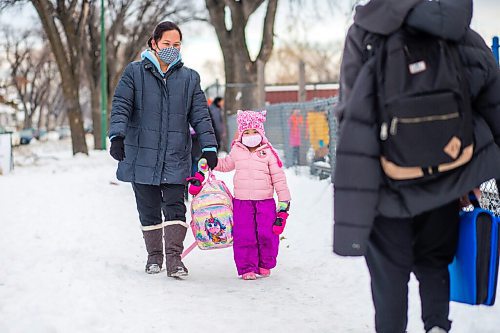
254 120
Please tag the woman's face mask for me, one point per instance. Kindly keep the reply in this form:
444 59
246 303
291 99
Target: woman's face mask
168 55
251 140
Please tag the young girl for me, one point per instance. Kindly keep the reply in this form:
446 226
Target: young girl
257 222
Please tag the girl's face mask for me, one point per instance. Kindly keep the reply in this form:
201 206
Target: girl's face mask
251 140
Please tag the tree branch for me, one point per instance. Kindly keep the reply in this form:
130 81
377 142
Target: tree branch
46 12
217 14
267 44
249 7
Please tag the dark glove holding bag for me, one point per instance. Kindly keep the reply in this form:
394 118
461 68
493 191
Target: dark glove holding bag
117 149
211 157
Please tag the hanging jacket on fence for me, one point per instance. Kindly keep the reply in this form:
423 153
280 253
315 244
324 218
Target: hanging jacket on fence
318 129
295 123
361 190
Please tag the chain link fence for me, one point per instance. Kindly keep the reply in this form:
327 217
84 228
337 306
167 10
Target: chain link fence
304 134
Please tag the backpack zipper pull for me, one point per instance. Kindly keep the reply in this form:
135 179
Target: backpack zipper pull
394 126
383 132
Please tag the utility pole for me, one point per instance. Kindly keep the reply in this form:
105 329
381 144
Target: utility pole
104 83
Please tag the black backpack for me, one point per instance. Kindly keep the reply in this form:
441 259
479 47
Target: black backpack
425 112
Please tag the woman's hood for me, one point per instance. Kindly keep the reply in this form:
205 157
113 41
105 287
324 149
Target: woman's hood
448 19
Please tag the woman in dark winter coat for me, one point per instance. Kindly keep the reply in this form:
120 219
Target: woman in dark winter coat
412 228
155 101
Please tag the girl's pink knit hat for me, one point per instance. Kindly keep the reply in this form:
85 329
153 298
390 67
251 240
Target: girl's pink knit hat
255 120
251 120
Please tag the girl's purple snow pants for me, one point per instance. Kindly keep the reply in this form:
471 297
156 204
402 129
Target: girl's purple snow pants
255 245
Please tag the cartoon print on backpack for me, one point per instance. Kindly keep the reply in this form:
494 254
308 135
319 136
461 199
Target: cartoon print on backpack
212 214
215 230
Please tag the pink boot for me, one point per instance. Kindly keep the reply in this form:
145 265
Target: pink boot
249 276
264 272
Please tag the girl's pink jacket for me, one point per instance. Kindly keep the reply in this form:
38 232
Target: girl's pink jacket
257 174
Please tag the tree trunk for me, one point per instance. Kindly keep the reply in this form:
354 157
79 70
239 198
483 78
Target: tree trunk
27 120
40 117
240 69
75 120
66 53
61 119
95 105
77 132
47 120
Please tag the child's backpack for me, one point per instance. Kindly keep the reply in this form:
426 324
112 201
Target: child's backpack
425 113
212 215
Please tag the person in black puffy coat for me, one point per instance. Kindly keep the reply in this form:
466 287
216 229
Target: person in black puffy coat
413 228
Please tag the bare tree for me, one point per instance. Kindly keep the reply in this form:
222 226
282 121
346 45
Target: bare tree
56 115
322 62
322 59
31 71
230 18
130 24
63 22
53 94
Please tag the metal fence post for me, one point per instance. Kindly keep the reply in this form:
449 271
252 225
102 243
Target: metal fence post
217 88
261 84
302 82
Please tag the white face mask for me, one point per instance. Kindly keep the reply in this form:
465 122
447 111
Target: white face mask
251 140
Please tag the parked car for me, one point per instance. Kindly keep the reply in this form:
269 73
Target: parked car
26 135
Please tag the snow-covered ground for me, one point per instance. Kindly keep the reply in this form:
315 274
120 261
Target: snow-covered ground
72 260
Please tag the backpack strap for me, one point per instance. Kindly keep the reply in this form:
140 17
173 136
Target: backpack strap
210 177
189 249
380 60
